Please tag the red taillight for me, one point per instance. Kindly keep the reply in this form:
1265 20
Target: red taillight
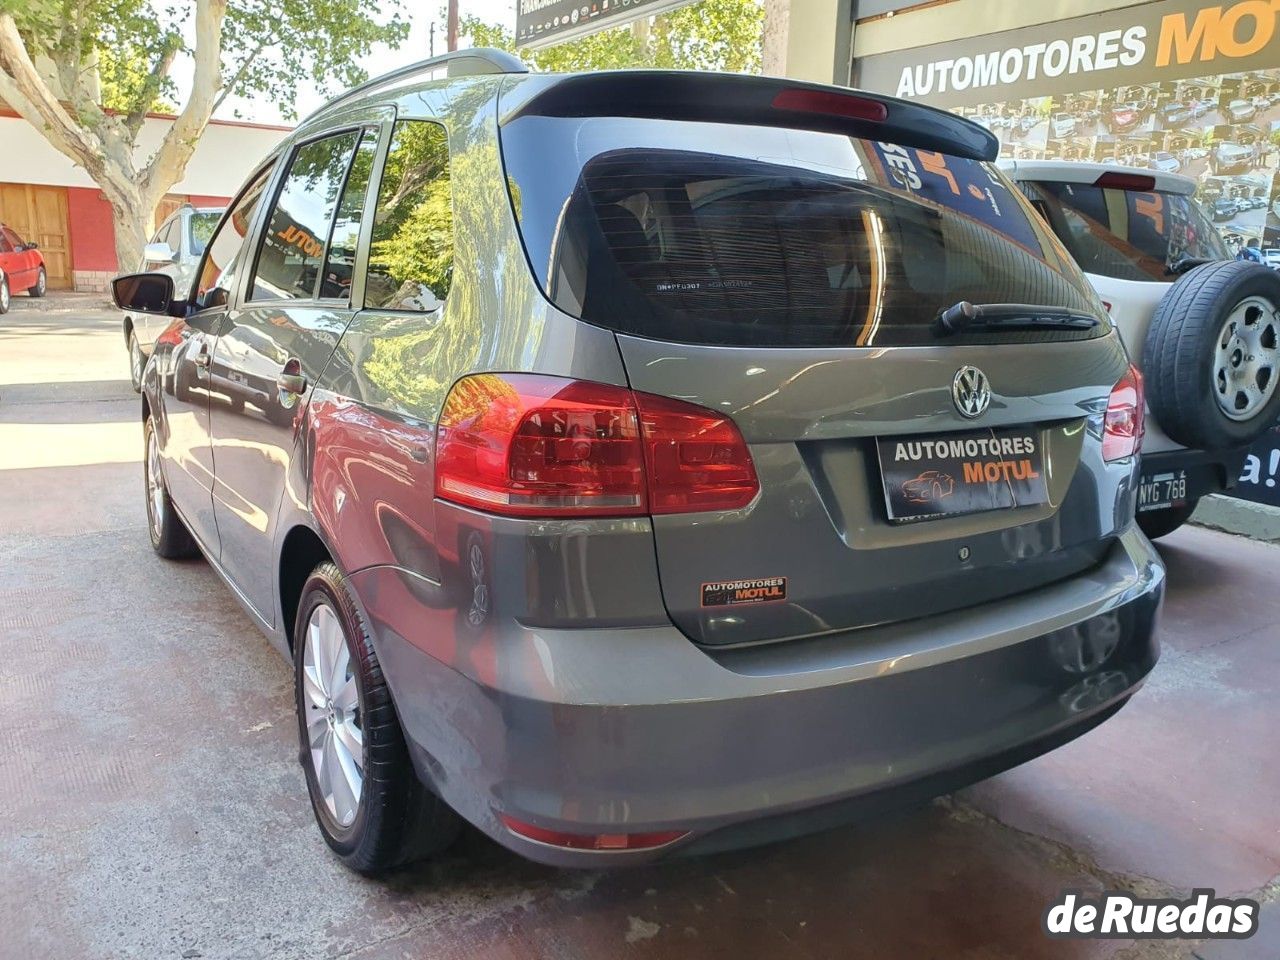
532 445
1141 182
695 459
1125 421
831 102
591 841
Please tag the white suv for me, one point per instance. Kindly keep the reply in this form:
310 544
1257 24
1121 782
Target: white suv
175 250
1203 327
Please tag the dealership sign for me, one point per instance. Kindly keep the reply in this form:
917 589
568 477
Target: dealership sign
541 23
1166 40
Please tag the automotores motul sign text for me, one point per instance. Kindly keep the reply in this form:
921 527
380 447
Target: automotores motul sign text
1165 40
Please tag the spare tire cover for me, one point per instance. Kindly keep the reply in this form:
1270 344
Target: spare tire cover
1212 357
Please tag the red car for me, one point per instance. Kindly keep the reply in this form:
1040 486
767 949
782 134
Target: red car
21 268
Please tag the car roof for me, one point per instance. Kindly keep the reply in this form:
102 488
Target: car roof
694 95
1072 171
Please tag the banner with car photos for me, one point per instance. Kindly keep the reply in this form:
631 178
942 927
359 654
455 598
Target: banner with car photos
1183 86
540 23
1179 85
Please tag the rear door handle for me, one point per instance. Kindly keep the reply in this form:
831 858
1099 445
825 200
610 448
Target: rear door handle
201 359
291 379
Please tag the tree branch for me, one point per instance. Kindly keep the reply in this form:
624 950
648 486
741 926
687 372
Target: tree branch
152 85
25 90
180 142
234 82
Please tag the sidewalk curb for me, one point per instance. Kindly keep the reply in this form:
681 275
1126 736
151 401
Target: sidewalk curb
1254 520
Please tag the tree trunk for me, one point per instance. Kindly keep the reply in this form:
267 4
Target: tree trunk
777 19
132 229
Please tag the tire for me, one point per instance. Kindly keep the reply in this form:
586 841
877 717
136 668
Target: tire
170 537
1160 523
4 295
136 362
1215 331
41 285
395 819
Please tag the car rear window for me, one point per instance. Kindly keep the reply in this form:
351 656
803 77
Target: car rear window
775 237
1126 234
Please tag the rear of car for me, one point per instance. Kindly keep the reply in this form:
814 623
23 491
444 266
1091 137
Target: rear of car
1135 233
842 512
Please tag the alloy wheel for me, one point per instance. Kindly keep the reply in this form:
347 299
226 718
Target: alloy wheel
155 486
135 360
332 706
1246 358
4 296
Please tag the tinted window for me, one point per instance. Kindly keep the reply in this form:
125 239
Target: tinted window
200 227
293 244
778 238
224 252
1127 234
15 241
336 279
411 256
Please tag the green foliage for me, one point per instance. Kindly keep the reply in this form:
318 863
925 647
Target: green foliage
269 49
274 48
709 35
123 81
413 226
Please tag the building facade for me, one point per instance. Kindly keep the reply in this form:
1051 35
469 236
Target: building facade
48 199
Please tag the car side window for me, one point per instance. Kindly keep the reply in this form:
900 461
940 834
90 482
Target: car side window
335 280
292 248
4 243
223 254
15 241
411 254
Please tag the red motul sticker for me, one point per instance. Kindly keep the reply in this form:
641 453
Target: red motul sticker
727 593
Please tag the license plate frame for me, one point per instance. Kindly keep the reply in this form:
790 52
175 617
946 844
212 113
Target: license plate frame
934 476
1162 490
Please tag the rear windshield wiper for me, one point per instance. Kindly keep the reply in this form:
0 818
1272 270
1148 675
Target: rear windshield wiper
1009 316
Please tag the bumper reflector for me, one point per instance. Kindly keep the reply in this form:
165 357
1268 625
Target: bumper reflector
591 841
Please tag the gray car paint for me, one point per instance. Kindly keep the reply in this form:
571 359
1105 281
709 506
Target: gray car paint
562 692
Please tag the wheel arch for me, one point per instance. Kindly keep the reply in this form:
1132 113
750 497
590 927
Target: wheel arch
300 552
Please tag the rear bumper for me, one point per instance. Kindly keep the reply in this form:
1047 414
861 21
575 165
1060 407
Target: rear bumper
637 729
1206 471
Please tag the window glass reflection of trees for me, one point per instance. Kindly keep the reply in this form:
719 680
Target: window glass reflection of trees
411 257
289 262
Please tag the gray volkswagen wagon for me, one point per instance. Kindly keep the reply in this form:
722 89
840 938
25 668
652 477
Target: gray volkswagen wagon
636 464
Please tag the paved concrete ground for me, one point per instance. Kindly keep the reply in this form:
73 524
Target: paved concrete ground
151 804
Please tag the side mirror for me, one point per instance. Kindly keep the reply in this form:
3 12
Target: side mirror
145 293
157 253
32 246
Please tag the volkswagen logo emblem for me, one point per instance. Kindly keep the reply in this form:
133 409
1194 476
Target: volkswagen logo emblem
971 392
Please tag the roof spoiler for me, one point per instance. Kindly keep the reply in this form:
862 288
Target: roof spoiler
762 101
